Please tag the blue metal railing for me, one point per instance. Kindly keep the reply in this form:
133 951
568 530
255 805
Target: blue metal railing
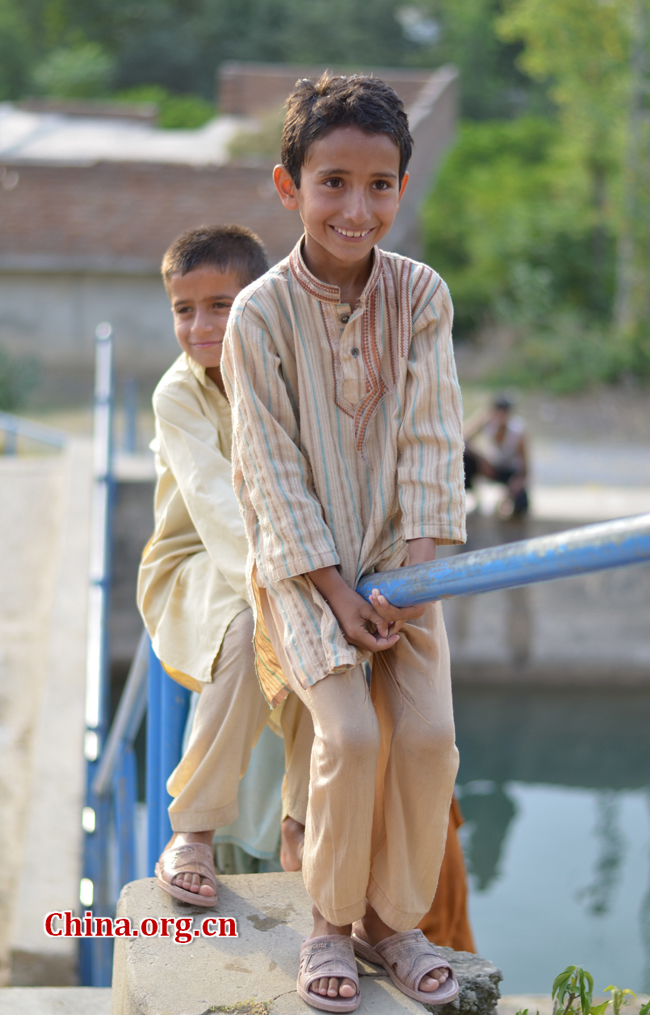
600 547
16 426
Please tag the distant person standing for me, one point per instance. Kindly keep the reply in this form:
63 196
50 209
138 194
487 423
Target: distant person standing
496 447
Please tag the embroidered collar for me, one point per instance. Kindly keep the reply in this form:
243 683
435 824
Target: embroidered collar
330 293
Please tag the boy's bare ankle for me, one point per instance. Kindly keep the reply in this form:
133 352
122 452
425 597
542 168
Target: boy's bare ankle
372 928
181 838
322 926
292 844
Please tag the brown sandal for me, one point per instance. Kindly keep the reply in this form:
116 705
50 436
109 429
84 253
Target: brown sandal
407 957
188 858
325 956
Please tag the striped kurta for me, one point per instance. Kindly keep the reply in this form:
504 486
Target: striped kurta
347 438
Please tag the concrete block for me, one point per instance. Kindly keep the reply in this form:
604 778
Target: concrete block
55 1001
254 973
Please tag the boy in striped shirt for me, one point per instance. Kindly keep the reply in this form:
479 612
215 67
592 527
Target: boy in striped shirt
347 459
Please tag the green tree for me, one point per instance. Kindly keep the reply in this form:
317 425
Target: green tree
506 225
579 49
492 85
633 299
15 50
84 71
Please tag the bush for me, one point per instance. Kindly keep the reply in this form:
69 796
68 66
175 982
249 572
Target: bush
509 226
19 375
175 112
79 72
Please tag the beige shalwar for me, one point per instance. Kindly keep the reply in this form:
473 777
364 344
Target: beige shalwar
348 444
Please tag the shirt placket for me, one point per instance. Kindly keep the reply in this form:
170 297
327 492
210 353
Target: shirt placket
351 352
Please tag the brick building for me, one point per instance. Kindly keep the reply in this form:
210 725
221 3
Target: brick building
89 203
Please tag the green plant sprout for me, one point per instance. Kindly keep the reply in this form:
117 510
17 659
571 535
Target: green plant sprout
620 998
575 984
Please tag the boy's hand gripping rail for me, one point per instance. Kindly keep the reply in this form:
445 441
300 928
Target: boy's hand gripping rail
617 543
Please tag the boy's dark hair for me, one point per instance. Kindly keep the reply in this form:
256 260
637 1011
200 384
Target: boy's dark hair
336 101
223 247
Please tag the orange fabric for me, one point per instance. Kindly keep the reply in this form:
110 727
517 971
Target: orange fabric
447 922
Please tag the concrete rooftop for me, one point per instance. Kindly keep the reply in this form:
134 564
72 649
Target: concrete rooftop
60 139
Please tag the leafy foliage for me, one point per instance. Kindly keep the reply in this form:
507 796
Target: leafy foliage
620 997
80 72
185 112
573 991
18 376
179 44
507 225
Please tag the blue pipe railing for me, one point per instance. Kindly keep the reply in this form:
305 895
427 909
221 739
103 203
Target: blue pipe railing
600 547
16 426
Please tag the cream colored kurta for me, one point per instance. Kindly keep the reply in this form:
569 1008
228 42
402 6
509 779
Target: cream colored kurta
192 580
347 437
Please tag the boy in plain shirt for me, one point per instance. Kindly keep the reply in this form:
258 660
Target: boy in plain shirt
192 582
347 458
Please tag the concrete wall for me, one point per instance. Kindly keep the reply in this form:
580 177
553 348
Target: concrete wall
54 315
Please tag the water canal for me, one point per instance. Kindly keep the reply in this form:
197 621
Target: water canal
552 701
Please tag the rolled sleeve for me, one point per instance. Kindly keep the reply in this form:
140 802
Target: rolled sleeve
430 439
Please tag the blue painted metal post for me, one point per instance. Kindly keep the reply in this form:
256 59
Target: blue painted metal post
11 439
124 799
96 955
618 543
175 706
154 758
130 439
166 717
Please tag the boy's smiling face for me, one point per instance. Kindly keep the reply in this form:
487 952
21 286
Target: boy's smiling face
201 302
348 196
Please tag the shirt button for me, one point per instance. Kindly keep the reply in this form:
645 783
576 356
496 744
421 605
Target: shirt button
345 318
354 351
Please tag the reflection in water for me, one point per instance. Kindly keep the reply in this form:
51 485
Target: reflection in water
595 739
611 846
518 624
488 812
537 766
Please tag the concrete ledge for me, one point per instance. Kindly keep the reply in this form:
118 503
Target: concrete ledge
51 858
55 1001
254 973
